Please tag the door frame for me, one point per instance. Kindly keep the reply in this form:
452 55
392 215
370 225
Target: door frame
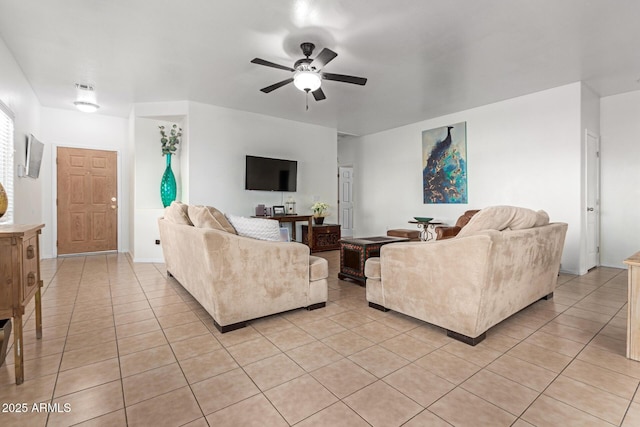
584 204
54 190
352 202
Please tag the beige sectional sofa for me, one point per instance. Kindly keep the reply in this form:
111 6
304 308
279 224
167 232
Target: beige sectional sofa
503 260
237 278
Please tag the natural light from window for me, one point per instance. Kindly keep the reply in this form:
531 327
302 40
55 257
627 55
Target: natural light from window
6 159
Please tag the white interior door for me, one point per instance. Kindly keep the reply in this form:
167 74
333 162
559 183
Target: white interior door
345 202
593 199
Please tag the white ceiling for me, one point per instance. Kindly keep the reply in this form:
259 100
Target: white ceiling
423 58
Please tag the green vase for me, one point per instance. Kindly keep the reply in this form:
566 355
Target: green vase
168 187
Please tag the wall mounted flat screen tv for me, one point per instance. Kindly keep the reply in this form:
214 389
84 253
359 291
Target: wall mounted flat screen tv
265 174
35 151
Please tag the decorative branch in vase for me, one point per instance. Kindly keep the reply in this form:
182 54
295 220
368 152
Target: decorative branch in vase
168 188
320 210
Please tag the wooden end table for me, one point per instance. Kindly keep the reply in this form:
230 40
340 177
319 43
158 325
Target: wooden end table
354 253
326 237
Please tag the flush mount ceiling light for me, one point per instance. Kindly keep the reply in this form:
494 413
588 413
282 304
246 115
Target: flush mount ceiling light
86 98
306 81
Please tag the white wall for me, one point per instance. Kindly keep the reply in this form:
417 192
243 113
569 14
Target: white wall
16 93
148 165
211 163
219 140
620 176
524 151
69 128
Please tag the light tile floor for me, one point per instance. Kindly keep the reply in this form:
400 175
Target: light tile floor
125 345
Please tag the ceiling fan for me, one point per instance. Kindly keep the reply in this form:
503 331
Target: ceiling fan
307 74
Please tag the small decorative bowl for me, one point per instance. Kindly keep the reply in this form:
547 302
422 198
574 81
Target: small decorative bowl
422 219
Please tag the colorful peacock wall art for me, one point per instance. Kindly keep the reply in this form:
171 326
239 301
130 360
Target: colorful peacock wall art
444 164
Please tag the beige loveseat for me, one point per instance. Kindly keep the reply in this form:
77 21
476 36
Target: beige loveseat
503 260
237 278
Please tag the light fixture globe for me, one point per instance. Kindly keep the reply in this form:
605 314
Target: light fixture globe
86 98
306 81
86 107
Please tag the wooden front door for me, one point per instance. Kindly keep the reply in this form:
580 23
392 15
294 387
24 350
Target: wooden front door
87 200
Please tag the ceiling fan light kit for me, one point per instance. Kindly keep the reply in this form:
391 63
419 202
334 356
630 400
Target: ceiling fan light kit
308 73
306 81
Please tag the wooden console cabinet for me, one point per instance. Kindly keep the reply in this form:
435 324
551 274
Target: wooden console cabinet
633 307
325 237
20 282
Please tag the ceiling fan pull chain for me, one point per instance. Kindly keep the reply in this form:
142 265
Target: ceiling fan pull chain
307 98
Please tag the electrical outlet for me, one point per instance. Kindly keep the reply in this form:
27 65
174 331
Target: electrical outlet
157 242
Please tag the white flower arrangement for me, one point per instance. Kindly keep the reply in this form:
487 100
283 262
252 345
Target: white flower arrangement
320 209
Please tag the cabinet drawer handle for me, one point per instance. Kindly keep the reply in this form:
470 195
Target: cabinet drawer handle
30 252
31 278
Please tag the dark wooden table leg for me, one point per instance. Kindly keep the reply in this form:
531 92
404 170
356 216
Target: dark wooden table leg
39 312
17 349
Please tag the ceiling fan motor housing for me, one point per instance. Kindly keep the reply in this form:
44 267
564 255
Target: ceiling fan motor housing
307 48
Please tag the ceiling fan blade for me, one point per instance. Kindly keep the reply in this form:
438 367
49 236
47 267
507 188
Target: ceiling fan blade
346 79
318 94
323 59
276 85
270 64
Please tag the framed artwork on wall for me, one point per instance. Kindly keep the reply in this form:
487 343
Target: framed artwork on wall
444 164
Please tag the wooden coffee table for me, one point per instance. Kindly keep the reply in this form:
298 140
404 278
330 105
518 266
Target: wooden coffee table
354 252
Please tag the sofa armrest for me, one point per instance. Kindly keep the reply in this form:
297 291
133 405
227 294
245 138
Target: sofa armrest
372 268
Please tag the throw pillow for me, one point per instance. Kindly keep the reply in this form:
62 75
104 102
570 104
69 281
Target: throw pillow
523 218
542 218
177 213
499 218
491 218
256 228
210 217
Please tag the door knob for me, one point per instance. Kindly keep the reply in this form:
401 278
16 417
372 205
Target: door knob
589 209
113 206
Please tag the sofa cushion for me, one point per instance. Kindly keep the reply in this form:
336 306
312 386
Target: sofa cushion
209 217
318 268
500 218
177 213
257 228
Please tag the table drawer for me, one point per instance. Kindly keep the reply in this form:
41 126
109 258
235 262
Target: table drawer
326 229
30 257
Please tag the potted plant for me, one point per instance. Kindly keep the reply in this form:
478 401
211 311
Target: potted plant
320 210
